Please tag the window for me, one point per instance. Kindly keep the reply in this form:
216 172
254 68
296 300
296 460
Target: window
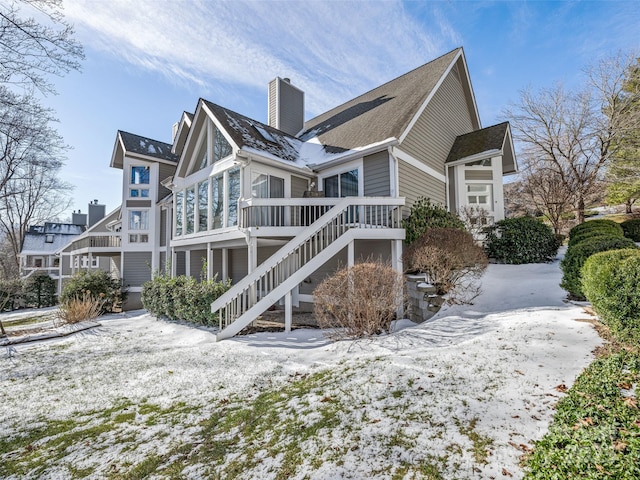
480 163
94 262
190 210
342 185
221 148
217 202
138 238
202 159
479 194
139 193
48 238
203 203
266 186
234 196
139 175
138 220
178 212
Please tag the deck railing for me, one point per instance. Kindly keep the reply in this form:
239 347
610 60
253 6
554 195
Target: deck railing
345 214
98 241
283 212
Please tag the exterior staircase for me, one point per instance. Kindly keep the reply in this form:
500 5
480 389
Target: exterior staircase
350 219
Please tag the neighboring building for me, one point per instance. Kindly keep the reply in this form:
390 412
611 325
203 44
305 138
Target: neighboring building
277 207
42 245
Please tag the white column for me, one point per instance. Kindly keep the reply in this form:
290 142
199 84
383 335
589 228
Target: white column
288 312
225 264
209 262
174 260
396 264
187 263
351 254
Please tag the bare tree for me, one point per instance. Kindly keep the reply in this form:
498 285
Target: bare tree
31 51
571 135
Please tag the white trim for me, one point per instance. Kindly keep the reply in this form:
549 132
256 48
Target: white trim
414 162
476 157
430 96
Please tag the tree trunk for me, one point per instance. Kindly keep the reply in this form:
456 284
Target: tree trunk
580 210
628 204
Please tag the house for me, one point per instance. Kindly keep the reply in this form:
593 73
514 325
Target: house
41 246
276 207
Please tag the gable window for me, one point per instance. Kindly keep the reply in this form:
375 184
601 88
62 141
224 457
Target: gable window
221 148
203 203
138 220
48 238
342 185
202 159
178 214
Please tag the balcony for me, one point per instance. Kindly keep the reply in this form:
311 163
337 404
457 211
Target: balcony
96 243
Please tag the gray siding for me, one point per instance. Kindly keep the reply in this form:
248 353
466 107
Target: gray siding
299 185
445 117
138 203
311 282
265 252
165 171
478 175
163 228
217 263
273 105
137 268
377 181
373 250
415 183
181 262
196 260
163 262
237 264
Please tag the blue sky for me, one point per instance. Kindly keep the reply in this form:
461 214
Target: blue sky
149 60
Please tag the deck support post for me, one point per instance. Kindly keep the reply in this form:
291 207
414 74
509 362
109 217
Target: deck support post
351 254
209 262
396 264
288 312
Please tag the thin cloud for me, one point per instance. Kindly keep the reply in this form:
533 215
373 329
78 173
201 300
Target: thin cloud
332 50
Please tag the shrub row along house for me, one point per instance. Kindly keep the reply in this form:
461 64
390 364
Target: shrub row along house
276 207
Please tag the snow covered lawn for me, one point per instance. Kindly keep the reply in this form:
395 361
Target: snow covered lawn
462 396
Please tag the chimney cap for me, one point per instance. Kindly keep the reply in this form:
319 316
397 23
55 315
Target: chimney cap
287 79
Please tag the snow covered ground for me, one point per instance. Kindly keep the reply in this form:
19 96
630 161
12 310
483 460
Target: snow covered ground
461 396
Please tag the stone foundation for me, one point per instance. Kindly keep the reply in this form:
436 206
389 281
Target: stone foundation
422 300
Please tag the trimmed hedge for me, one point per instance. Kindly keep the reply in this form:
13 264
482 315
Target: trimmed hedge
183 298
596 224
631 229
578 254
604 230
424 215
100 285
40 290
611 282
521 240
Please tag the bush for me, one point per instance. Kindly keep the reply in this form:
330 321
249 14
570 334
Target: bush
600 223
452 261
11 294
578 254
597 230
521 240
183 298
100 285
611 282
360 301
78 309
631 229
424 215
40 290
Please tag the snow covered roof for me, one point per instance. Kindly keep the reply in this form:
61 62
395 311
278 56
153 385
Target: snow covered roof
252 134
50 237
146 146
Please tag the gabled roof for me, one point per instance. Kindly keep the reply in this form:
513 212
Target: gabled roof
252 134
384 112
490 140
58 234
145 146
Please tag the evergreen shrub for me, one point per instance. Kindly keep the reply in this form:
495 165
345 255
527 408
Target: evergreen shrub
521 240
424 215
578 254
40 290
183 298
611 282
601 230
612 226
631 229
99 285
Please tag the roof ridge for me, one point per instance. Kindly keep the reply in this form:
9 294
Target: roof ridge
142 136
383 84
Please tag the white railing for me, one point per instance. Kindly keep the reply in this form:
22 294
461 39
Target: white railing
283 212
347 214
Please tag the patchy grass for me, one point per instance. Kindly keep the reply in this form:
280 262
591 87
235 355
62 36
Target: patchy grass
596 430
20 322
